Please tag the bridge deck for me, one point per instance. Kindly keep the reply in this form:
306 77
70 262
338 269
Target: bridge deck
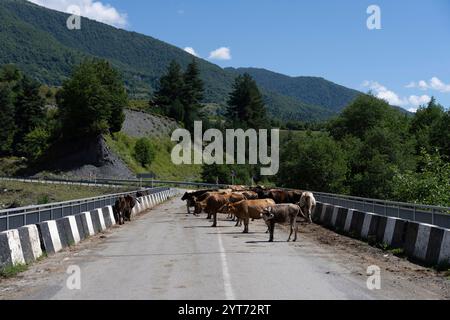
166 254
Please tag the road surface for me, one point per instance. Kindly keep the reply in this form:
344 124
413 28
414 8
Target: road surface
166 254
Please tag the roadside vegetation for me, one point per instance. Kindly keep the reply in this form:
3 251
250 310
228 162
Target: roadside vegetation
19 194
160 162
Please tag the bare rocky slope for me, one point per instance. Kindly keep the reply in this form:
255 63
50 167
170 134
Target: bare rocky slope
93 157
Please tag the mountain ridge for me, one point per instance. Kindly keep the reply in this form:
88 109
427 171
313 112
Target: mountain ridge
38 41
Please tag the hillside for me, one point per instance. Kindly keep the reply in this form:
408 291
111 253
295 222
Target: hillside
312 91
38 41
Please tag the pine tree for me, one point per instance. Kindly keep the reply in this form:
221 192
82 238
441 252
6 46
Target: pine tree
170 88
246 107
7 127
192 94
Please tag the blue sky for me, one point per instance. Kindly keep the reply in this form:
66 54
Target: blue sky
405 62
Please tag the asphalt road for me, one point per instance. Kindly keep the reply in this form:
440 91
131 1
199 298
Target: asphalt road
166 254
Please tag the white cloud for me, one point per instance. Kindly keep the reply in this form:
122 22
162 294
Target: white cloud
433 84
417 101
222 53
413 110
393 98
382 92
191 51
92 9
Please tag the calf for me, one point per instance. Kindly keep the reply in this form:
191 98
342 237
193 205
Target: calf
247 209
283 214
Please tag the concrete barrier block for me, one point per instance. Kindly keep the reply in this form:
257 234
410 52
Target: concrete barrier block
317 212
88 226
98 221
11 253
108 216
111 215
348 220
366 225
48 231
444 253
72 234
434 245
334 216
340 219
30 242
356 225
423 237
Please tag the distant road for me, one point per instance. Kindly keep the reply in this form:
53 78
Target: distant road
166 254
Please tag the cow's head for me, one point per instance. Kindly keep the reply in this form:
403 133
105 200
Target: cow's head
267 214
186 196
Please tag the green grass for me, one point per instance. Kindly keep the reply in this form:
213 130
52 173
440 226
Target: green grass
12 271
19 194
161 166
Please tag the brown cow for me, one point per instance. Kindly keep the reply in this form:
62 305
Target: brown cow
215 202
202 203
248 209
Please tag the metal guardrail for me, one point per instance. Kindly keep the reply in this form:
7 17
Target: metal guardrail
18 217
435 215
114 182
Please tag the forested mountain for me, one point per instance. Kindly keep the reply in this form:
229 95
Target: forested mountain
38 41
310 90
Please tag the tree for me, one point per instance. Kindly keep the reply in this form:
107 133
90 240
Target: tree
143 152
192 94
431 185
29 109
425 126
315 162
245 106
170 88
440 135
92 101
7 112
10 73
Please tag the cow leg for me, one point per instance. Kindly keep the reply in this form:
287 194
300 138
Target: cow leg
246 221
290 234
237 222
271 230
215 220
296 229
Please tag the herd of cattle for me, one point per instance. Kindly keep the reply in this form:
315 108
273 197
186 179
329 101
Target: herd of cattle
244 204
